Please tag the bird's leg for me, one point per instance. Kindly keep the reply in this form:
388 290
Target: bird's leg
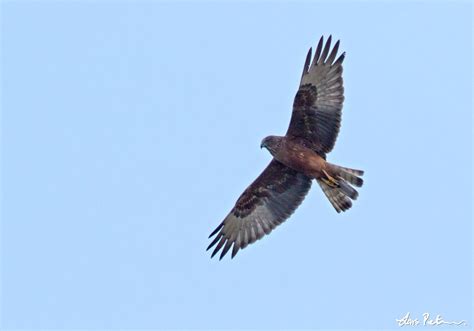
329 180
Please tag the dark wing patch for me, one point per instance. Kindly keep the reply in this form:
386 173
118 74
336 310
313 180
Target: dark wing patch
317 107
264 205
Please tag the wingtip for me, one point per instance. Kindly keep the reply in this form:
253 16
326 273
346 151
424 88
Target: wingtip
319 48
340 59
216 230
325 51
224 252
216 239
234 252
214 253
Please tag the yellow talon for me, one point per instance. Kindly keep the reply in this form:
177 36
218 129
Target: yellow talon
330 180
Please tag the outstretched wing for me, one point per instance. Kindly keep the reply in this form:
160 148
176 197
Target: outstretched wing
316 116
265 204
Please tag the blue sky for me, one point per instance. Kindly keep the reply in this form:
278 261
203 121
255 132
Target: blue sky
129 129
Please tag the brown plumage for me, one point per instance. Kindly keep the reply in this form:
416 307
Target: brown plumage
298 158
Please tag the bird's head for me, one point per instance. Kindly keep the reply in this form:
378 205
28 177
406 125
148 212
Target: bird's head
272 143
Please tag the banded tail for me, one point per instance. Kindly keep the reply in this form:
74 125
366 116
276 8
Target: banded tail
338 186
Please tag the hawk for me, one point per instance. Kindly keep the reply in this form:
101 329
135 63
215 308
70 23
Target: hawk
298 158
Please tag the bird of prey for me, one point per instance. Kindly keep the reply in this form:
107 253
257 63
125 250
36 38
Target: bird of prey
298 158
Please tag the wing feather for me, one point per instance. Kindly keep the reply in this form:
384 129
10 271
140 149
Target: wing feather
317 108
333 54
264 205
318 50
325 51
307 63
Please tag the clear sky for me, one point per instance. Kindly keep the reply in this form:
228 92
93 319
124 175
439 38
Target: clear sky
129 130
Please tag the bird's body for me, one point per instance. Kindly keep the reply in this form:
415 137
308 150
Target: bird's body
299 157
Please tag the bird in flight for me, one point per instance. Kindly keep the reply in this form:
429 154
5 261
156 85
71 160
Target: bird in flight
298 158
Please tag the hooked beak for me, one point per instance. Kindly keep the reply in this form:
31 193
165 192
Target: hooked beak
262 145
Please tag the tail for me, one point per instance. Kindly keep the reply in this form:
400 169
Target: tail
338 186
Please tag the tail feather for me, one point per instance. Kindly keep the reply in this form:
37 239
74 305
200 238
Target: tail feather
351 175
341 192
339 200
348 190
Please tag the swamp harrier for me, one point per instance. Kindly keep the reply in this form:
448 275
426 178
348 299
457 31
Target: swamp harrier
298 158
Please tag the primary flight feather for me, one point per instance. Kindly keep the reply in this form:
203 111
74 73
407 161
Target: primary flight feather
298 158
